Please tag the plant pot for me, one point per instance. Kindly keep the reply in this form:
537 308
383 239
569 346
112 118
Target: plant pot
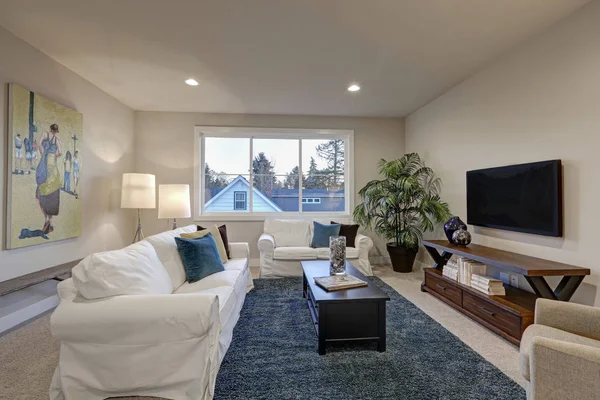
402 259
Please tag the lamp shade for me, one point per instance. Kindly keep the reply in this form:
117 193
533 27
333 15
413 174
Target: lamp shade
174 201
138 191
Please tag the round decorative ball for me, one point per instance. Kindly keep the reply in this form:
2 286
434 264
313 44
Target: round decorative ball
452 225
461 237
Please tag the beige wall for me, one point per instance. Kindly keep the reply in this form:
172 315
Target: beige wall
107 152
164 147
539 102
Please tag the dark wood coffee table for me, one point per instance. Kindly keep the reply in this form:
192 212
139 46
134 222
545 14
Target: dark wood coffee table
344 315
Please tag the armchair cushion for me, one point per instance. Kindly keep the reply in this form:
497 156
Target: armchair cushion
295 253
200 257
322 233
289 232
135 269
537 330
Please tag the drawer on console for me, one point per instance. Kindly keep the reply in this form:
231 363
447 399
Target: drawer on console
440 286
500 318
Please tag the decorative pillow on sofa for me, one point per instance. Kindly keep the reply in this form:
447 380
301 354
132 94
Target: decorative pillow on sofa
223 234
350 231
322 232
214 230
135 269
200 257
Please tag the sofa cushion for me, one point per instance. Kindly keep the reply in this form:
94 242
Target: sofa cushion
216 234
550 333
323 253
226 278
135 269
295 253
289 232
224 293
238 264
322 233
200 257
166 249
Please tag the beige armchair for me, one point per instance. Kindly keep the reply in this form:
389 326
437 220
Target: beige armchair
560 352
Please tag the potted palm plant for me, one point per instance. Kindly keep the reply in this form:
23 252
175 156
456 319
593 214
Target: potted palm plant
402 206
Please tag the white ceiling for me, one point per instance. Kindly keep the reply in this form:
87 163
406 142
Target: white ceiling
278 56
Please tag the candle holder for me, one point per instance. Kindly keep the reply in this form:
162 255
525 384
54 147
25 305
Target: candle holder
337 255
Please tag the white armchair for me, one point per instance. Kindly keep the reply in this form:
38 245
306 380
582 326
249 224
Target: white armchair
281 257
560 352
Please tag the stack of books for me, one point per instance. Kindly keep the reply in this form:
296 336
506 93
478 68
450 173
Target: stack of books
466 269
450 270
488 285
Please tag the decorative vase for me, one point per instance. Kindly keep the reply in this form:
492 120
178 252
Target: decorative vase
461 237
452 226
337 255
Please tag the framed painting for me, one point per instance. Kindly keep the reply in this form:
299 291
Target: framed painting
44 170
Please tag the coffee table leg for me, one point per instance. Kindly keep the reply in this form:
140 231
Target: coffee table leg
322 333
381 343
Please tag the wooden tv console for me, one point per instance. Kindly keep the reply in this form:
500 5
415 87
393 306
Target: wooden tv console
509 315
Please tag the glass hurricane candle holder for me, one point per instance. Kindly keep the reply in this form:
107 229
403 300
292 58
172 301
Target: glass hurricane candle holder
337 255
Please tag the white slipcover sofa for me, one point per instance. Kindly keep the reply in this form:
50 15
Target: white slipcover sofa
286 242
163 345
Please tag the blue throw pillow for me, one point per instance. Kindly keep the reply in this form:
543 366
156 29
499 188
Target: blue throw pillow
200 257
322 232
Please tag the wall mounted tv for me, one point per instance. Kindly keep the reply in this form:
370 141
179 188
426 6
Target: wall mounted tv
523 198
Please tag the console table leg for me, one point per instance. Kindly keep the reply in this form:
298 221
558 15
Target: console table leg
439 260
541 287
567 286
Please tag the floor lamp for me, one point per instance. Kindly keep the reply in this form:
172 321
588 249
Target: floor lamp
138 191
174 202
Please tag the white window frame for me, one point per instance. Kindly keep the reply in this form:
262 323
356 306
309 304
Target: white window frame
202 132
235 200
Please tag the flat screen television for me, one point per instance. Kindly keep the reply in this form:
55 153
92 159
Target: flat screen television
523 198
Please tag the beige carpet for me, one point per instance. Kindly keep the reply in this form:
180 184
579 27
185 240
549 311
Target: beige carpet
29 354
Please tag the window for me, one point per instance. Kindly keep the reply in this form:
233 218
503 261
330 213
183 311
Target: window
250 172
311 200
239 201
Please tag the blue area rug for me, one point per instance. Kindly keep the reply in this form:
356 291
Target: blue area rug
274 356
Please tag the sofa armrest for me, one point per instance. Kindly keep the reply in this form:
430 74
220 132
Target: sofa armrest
136 319
363 243
266 243
563 370
239 250
575 318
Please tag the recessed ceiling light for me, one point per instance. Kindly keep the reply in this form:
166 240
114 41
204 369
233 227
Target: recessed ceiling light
192 82
353 88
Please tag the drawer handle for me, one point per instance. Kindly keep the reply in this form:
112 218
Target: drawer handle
485 310
440 286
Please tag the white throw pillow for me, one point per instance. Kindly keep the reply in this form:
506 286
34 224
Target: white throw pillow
289 232
166 249
135 269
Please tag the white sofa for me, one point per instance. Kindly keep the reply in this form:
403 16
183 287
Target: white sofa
162 345
285 243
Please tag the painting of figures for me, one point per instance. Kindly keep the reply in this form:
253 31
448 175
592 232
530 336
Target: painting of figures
44 170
